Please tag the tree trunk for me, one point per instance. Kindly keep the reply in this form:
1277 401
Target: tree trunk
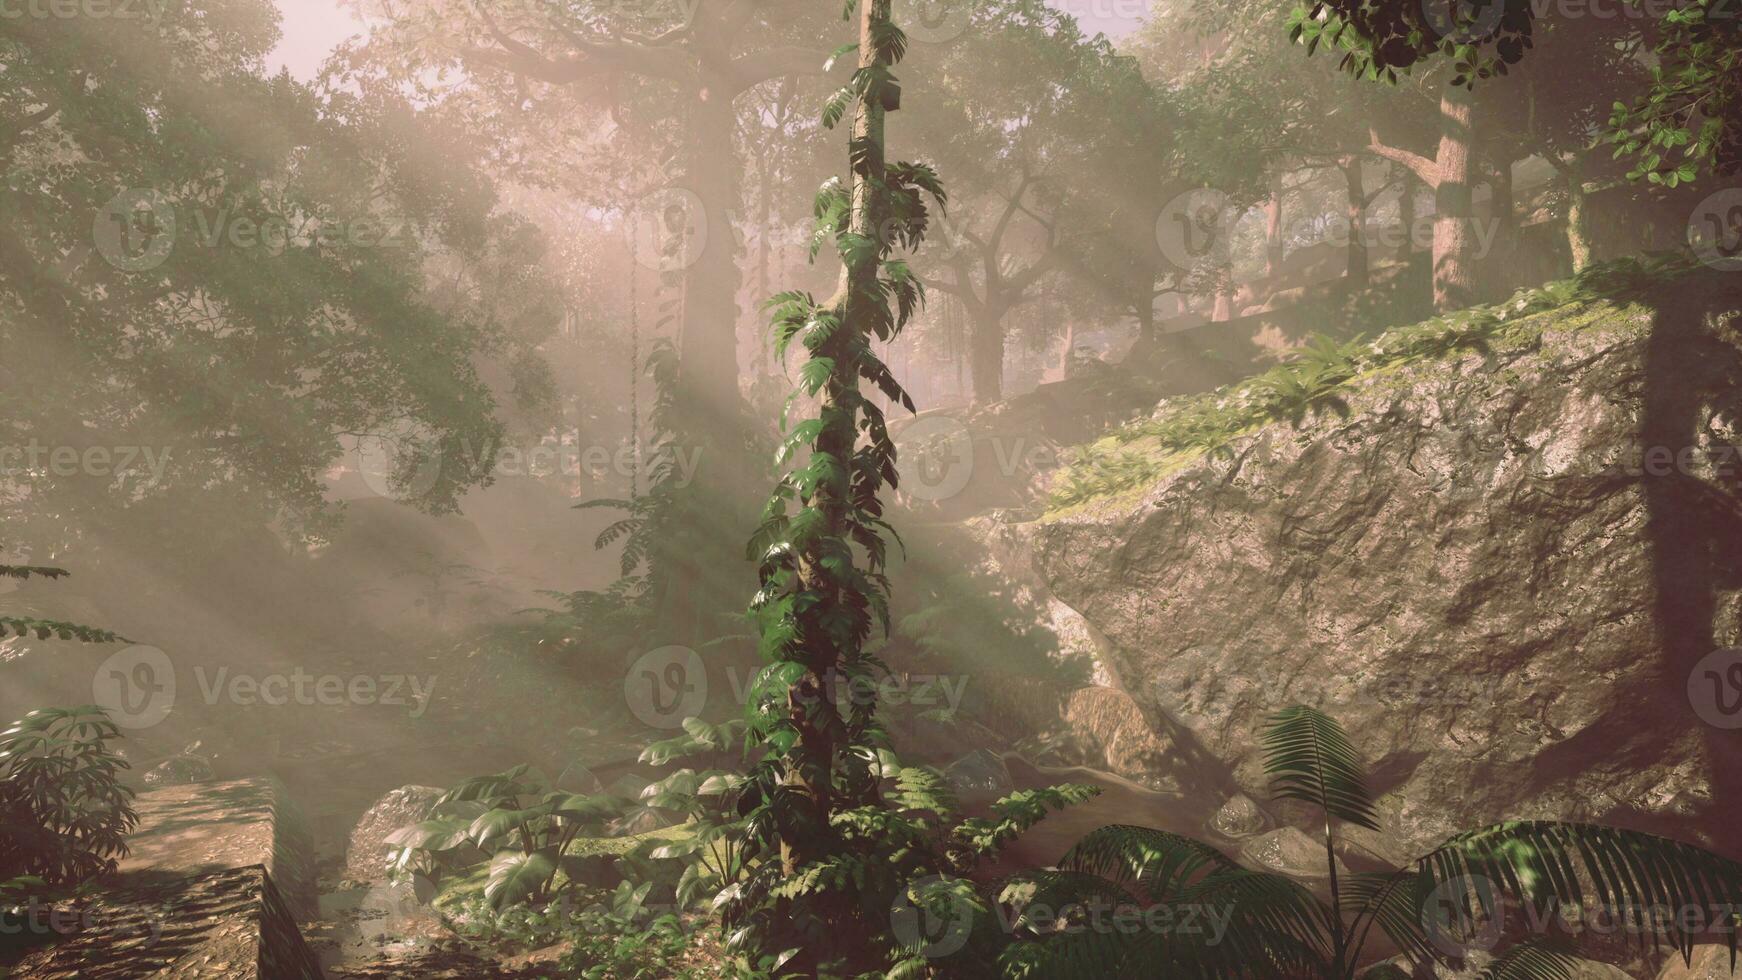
1454 238
1406 215
1357 264
1224 308
986 354
810 770
1274 246
764 232
1145 307
1578 215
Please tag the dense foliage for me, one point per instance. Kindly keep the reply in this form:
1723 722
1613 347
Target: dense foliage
64 815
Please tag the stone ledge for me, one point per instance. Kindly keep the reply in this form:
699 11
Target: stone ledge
216 879
225 925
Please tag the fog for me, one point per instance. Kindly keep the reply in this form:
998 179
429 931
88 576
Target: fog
585 488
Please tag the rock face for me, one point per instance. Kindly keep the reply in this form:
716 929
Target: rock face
1707 963
366 854
1499 572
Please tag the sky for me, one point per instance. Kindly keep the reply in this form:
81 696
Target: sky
312 28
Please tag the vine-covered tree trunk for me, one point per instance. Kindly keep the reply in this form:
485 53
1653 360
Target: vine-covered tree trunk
822 567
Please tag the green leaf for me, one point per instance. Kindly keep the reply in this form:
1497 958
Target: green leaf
1309 758
516 877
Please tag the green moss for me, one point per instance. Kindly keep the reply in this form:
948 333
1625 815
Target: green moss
1318 378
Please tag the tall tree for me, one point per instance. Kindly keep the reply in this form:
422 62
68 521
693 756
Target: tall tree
223 275
818 604
695 59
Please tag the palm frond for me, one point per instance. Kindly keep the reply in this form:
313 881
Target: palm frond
1533 960
1309 758
1549 865
1269 923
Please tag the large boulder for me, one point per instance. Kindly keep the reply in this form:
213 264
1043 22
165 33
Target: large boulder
1485 570
1707 963
367 850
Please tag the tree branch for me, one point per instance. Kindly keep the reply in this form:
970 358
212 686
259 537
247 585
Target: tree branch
1427 170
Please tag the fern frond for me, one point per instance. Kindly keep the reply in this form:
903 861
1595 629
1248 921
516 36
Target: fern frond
1309 758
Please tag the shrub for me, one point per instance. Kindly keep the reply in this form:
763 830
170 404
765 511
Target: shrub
64 815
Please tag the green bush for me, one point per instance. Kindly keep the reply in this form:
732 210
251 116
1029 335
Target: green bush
64 815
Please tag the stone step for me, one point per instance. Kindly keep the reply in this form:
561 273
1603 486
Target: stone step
217 878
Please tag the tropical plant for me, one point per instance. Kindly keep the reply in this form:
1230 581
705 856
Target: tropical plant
44 629
1310 379
64 815
1430 909
911 848
511 817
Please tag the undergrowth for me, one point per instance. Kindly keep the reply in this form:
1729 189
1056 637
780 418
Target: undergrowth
1316 379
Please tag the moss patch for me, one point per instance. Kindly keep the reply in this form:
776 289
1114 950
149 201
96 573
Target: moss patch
1319 378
